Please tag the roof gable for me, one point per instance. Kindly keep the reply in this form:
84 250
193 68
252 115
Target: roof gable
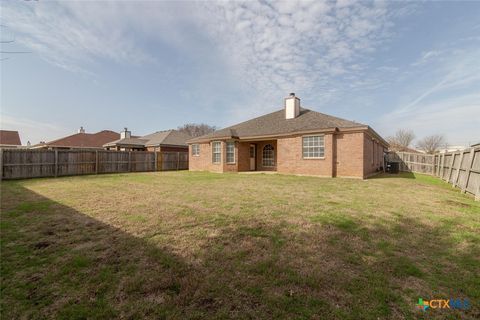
11 138
170 137
85 140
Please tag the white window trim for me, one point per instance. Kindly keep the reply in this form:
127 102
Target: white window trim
220 160
198 154
314 158
234 153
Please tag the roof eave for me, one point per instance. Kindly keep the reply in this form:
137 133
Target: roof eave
165 145
263 137
378 137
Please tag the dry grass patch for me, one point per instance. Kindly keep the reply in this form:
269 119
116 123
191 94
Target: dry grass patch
201 245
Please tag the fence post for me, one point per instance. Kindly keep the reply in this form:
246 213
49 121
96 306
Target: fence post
454 182
477 194
434 164
450 168
178 160
469 166
1 164
129 161
442 167
56 163
156 159
96 162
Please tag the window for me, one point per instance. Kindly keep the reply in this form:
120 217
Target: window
313 147
195 150
268 159
216 151
231 152
373 152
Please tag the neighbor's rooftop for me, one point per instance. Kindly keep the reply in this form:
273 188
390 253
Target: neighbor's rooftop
10 138
167 137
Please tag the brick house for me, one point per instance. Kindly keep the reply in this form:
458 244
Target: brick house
80 141
160 141
9 139
293 140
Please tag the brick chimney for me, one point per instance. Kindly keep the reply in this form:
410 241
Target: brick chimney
292 106
125 134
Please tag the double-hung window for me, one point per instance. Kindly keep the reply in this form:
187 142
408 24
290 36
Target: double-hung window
216 151
313 147
231 152
195 150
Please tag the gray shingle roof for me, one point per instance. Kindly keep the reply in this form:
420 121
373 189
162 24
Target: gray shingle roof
275 123
128 141
168 137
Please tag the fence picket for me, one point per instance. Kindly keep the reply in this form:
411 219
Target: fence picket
27 163
467 177
455 181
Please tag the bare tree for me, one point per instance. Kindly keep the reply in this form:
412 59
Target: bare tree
431 143
196 129
401 140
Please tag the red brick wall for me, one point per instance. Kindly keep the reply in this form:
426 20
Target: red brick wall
243 152
373 155
204 160
349 155
346 155
290 157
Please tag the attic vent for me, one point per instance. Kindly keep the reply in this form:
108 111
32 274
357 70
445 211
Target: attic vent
292 106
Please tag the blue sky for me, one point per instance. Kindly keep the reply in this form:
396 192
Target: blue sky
156 65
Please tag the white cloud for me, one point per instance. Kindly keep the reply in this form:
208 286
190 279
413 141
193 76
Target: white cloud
457 118
427 56
31 130
273 47
451 70
74 34
304 46
446 100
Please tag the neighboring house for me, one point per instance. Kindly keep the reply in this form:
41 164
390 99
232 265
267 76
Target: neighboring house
10 139
404 149
80 140
292 140
169 140
451 148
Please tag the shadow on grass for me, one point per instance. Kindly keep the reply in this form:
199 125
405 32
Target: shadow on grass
59 263
386 175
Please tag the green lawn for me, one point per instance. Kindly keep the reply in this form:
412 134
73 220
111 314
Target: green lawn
201 245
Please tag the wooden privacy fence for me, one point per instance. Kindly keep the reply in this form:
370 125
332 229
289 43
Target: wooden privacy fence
174 161
414 162
20 164
460 168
